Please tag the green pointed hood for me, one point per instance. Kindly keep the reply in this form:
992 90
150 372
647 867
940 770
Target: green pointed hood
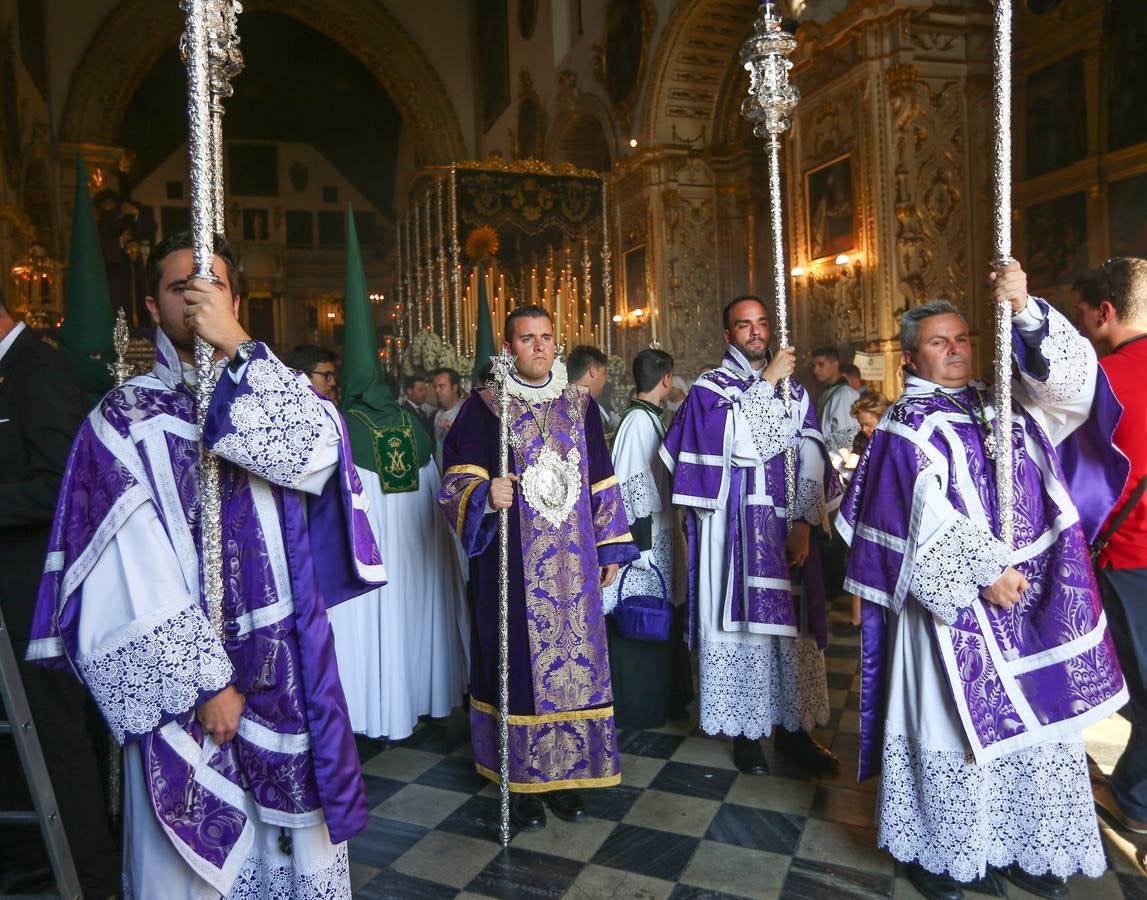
86 335
484 345
362 389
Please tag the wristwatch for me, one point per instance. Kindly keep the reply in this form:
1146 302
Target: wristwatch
243 353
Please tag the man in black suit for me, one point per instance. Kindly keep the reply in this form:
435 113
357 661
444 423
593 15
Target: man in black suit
42 404
416 391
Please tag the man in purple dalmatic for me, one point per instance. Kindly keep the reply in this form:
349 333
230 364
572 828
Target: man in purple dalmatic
568 534
982 663
756 592
240 773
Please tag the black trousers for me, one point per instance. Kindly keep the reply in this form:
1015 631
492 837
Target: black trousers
75 746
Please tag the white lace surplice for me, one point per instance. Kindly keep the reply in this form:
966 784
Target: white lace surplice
750 682
146 649
935 806
645 491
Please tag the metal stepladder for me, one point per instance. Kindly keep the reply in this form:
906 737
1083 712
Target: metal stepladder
46 813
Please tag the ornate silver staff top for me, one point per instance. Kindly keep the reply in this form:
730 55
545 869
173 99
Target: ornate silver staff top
502 369
1002 251
121 369
771 99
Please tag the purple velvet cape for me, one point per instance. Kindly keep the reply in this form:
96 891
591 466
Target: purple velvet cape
698 451
294 762
561 700
1043 669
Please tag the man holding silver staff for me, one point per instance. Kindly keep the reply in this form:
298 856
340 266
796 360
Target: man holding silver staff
758 617
568 528
981 663
240 771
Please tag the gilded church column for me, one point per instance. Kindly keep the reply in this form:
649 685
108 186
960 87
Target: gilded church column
888 175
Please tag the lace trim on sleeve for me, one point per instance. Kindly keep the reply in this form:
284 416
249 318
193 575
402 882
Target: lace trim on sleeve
772 429
639 495
842 438
809 504
1068 355
955 566
156 668
279 426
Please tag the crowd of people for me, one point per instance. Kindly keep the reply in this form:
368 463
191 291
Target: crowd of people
681 549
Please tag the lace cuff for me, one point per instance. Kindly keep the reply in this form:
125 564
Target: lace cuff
772 428
809 502
1068 355
842 438
155 670
955 566
639 495
274 427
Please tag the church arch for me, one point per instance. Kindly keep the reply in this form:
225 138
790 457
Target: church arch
136 32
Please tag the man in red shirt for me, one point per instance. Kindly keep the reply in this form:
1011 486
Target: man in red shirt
1112 312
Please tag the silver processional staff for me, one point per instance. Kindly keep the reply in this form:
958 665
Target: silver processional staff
770 102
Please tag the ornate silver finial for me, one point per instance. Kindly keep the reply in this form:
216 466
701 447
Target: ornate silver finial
121 369
765 57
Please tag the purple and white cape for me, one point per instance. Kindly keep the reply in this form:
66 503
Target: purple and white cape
121 604
973 712
759 633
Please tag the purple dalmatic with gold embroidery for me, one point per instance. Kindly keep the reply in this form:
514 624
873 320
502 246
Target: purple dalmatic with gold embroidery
561 702
921 519
295 541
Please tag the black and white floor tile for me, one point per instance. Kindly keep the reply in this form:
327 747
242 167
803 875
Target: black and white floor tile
683 824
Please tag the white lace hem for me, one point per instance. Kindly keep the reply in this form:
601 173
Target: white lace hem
770 426
263 878
156 666
639 495
1033 807
748 686
961 560
279 426
809 504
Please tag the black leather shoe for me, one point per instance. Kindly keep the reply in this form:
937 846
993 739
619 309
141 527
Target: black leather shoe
527 813
991 884
799 747
1049 886
933 886
748 756
569 806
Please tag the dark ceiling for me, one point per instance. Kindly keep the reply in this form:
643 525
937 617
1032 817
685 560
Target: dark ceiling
296 85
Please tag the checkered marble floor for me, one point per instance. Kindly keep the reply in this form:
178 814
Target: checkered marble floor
683 824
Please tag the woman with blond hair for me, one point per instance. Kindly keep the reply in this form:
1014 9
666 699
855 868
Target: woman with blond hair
867 411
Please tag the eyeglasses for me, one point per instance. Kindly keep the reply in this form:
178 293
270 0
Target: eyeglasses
329 376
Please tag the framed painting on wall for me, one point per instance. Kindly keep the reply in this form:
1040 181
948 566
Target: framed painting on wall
1056 240
492 59
1055 117
635 291
1126 201
831 208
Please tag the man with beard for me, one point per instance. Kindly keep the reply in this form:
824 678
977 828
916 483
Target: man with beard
757 606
